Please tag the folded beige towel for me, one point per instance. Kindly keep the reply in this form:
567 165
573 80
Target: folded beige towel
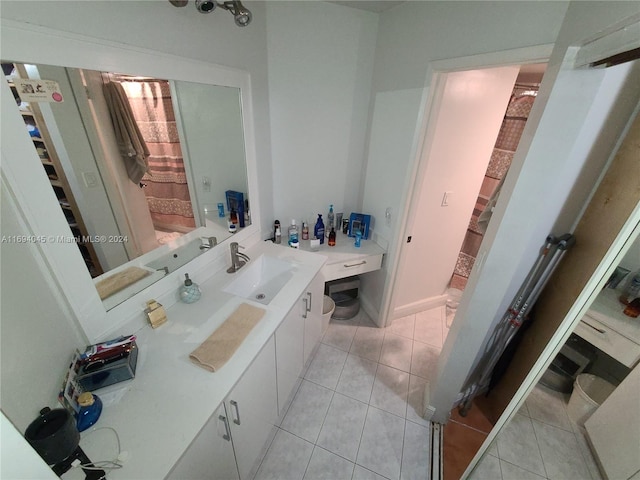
119 281
214 352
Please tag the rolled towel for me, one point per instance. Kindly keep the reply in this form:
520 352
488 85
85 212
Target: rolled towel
214 352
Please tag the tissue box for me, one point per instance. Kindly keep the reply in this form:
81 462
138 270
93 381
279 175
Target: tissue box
100 374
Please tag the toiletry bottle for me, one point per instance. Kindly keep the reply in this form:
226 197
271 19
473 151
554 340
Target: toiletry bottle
332 237
276 226
90 410
330 219
233 217
278 238
318 230
358 239
293 234
247 213
632 289
305 231
189 292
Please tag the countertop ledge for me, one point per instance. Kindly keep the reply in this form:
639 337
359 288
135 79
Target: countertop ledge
161 411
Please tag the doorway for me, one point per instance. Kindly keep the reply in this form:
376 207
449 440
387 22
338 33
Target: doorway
476 121
519 107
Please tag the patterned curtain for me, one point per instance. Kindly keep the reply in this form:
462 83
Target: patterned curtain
166 187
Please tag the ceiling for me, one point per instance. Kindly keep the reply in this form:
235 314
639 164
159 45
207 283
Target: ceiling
371 6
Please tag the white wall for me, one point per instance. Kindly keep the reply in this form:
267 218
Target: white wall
410 36
320 64
466 127
38 335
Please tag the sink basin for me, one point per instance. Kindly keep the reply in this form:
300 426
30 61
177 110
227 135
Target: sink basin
261 279
178 257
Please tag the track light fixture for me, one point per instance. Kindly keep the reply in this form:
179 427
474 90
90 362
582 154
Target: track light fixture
241 14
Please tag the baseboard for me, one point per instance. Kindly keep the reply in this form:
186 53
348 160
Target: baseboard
427 410
420 306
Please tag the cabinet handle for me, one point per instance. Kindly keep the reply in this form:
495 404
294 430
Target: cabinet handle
306 308
599 330
226 436
310 298
355 264
235 405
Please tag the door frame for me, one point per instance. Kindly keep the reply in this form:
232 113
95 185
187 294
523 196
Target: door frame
430 102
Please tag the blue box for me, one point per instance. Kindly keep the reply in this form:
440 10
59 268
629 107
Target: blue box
235 201
359 221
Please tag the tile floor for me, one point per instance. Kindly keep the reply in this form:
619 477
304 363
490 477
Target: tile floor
540 442
355 414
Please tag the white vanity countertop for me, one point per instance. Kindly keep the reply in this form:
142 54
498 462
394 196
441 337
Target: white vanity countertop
607 309
344 249
160 412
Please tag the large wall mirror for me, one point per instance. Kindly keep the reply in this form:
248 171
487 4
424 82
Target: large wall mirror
148 172
152 225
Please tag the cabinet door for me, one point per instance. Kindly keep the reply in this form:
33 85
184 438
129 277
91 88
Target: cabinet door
211 453
290 352
314 327
614 429
253 411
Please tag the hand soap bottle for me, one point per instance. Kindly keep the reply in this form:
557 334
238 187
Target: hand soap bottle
190 291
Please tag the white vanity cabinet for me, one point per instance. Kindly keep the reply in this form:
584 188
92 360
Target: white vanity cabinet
232 443
290 352
314 327
211 453
252 406
296 337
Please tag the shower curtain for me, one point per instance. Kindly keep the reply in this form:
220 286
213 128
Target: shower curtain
165 183
513 123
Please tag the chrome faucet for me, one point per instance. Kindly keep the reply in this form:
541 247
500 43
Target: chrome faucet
237 259
210 243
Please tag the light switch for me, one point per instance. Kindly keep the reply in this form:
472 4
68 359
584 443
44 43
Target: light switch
446 198
90 179
206 184
387 215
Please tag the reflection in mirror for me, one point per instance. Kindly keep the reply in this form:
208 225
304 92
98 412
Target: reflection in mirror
140 166
620 296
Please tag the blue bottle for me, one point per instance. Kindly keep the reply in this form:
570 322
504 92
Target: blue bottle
358 239
318 230
90 410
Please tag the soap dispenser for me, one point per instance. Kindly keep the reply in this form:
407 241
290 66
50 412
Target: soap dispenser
190 291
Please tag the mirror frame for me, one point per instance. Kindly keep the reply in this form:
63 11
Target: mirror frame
26 43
